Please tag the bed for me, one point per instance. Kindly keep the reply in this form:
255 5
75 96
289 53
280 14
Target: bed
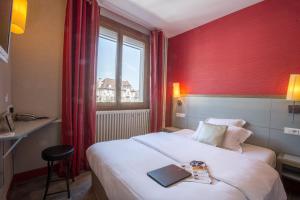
119 169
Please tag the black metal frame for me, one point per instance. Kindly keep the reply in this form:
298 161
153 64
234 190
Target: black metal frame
67 177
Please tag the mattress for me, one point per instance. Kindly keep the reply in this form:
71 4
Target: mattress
259 153
121 167
250 151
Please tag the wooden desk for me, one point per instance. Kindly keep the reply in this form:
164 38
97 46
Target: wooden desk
23 129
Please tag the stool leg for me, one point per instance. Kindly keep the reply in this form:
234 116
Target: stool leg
67 177
48 179
71 170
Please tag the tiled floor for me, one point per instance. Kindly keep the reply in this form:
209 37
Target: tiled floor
34 189
81 189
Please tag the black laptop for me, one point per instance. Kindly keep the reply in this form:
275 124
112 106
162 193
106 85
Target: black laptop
168 175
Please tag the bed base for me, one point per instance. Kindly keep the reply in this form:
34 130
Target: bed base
98 188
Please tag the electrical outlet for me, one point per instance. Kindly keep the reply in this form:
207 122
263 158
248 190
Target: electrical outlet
291 131
182 115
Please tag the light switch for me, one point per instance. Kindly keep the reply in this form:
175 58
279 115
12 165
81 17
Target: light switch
291 131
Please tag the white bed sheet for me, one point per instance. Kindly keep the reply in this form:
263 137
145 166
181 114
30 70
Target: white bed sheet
255 179
122 165
250 151
259 153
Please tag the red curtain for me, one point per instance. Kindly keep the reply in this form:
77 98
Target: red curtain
156 80
79 78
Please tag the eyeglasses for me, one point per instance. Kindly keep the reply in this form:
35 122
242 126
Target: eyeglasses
196 163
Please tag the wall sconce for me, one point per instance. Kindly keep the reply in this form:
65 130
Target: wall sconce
176 93
18 19
293 93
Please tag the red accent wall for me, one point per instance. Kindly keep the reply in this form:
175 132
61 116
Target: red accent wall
250 52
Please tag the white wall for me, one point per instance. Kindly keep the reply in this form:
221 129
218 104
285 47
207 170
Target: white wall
36 60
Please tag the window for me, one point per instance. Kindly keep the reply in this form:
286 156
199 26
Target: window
107 62
122 67
132 70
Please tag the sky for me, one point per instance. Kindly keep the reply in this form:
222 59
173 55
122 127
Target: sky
107 62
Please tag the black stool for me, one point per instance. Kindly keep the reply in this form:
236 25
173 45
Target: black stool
58 153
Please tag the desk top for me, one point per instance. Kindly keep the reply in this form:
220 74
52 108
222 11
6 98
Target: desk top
24 128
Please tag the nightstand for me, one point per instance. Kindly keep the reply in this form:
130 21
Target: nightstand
289 166
170 129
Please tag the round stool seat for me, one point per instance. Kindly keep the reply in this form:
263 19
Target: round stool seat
59 152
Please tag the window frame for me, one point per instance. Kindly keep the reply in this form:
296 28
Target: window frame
123 30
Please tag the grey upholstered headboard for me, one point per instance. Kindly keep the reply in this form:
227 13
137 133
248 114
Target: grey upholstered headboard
266 117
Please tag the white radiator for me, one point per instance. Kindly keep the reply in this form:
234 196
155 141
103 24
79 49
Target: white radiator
121 124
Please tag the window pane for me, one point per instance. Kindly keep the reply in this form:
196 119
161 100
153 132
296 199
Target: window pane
106 66
132 70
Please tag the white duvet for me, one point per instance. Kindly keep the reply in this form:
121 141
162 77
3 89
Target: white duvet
122 165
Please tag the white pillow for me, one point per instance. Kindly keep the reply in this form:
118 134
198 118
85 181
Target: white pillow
234 137
227 122
198 128
210 133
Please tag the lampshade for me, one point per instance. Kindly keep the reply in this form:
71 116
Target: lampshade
293 92
176 90
19 13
